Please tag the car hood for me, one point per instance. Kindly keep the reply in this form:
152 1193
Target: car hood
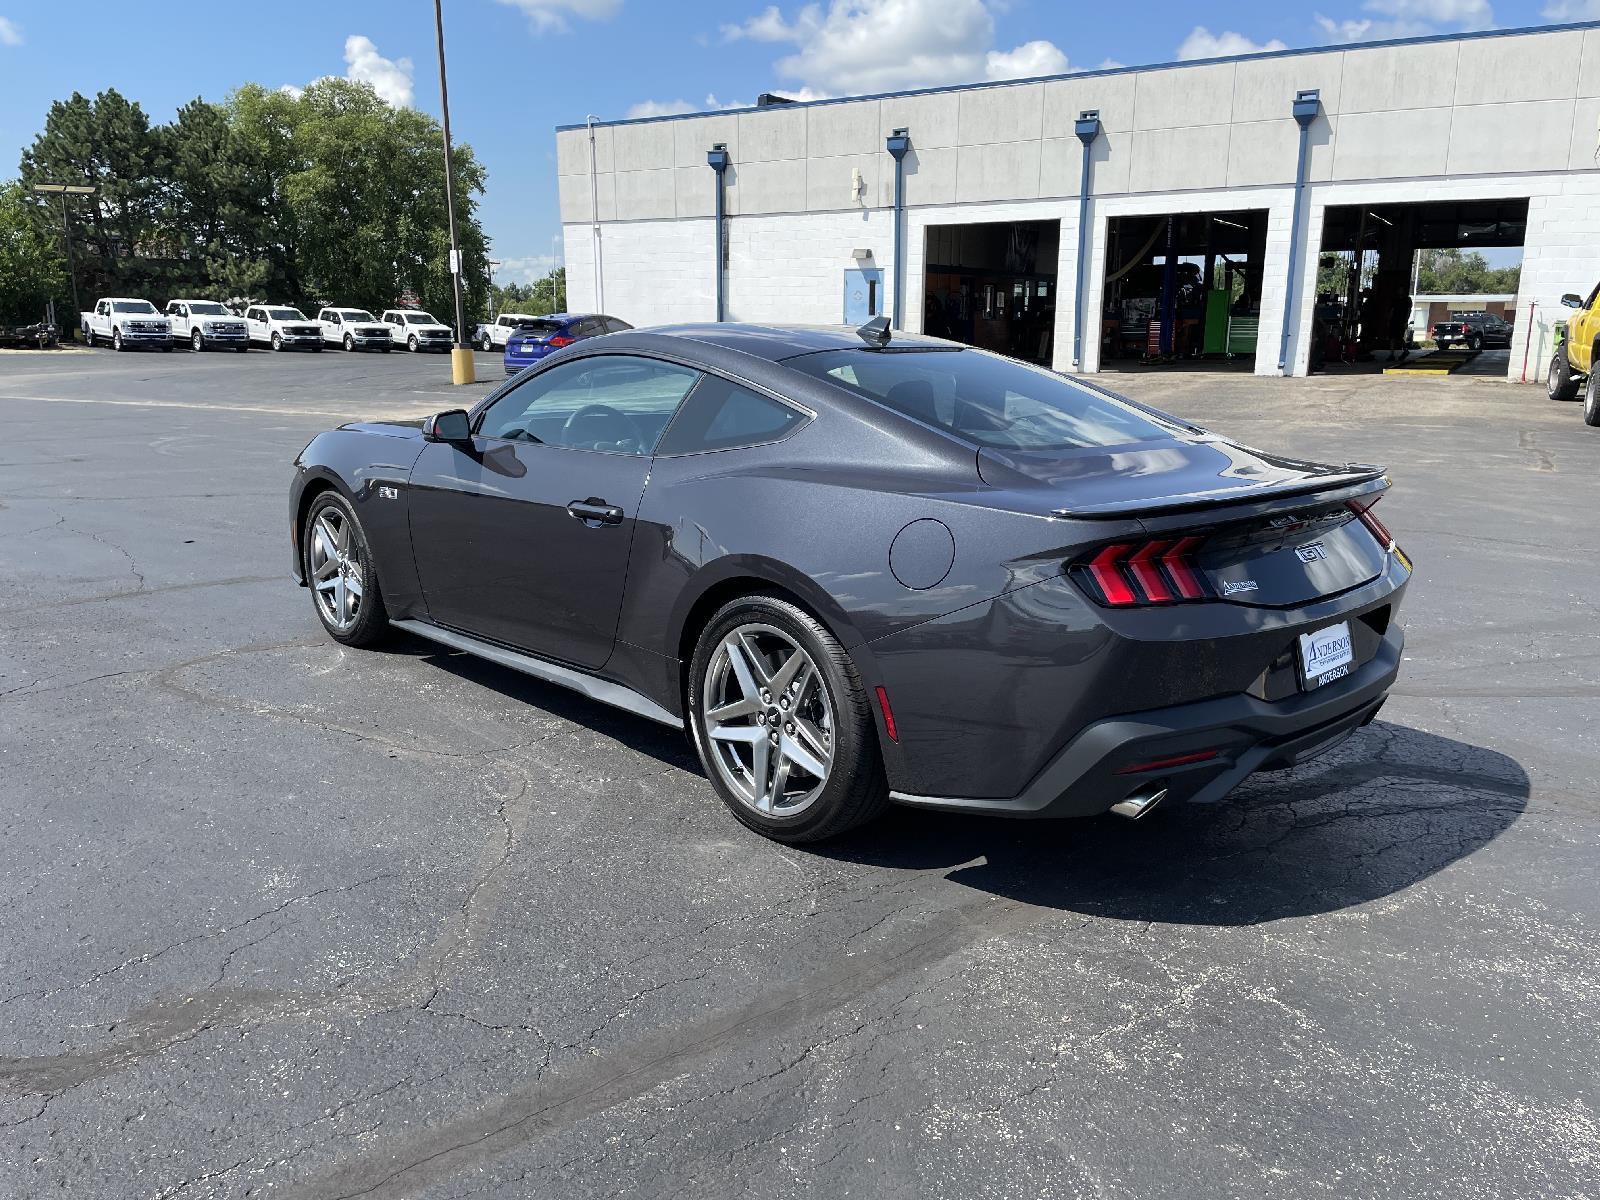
1163 476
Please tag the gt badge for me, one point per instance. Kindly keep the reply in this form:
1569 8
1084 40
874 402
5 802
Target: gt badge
1310 553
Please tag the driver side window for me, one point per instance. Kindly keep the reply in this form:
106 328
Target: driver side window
613 403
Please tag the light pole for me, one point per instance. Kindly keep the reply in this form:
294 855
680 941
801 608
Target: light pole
462 369
64 190
493 263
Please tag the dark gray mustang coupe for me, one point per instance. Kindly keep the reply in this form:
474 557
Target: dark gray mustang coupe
862 568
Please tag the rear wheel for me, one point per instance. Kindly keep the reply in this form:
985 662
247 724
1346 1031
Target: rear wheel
1558 381
339 570
1474 344
782 722
1591 400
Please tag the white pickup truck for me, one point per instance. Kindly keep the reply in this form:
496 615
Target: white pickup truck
416 330
282 327
204 323
124 321
354 329
496 334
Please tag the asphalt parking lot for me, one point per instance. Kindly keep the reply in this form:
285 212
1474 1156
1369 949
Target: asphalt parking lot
286 919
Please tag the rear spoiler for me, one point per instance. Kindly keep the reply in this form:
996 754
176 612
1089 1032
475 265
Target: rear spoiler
1353 480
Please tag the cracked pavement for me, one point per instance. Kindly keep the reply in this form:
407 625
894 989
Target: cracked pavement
287 919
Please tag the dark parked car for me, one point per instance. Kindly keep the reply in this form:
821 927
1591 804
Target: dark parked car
861 570
1476 331
538 337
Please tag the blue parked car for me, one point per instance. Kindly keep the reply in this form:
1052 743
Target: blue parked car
542 336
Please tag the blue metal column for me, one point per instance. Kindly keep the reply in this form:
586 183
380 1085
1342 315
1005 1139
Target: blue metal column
1306 104
717 160
898 143
1088 128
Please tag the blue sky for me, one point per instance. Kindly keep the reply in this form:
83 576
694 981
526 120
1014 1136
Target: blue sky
518 68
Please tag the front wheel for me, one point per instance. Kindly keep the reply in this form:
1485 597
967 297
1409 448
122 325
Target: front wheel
244 349
1591 400
783 724
277 342
116 340
197 342
339 570
349 343
1558 381
411 343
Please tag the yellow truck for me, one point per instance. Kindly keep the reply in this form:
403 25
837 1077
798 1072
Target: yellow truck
1576 362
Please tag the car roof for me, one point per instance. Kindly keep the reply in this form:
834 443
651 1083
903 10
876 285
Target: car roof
778 342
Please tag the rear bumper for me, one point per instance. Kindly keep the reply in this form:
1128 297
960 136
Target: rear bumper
1246 734
522 362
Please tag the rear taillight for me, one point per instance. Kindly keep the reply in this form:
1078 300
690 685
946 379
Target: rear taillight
560 340
1159 571
1379 530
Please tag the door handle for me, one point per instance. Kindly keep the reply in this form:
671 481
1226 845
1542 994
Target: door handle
594 510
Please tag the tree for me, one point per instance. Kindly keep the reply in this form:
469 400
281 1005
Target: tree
1451 272
548 294
32 264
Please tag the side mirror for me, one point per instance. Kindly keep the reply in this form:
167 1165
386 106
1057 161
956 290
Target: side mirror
451 426
1572 300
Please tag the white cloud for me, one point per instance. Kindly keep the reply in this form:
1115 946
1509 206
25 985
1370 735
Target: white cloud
859 46
389 77
1412 18
1563 10
10 33
1202 43
527 269
1027 60
551 16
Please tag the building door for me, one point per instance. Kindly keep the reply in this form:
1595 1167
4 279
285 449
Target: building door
863 294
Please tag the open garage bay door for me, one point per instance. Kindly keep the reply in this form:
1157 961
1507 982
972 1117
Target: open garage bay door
1183 290
993 285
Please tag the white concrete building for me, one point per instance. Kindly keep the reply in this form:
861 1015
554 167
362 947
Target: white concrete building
1472 140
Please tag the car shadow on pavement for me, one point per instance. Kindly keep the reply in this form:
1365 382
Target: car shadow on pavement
1388 808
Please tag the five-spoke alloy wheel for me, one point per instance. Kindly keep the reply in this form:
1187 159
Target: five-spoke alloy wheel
339 571
782 722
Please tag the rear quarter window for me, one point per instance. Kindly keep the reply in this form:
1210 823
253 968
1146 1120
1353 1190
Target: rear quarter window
721 415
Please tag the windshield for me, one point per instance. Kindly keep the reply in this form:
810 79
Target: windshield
420 318
135 306
286 314
206 308
355 314
985 399
532 328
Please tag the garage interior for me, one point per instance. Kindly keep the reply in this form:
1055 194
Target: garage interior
993 285
1367 271
1183 290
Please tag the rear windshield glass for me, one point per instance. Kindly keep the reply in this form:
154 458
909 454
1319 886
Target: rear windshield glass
286 314
985 399
207 308
134 306
538 328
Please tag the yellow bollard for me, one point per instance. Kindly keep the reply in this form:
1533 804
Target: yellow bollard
463 369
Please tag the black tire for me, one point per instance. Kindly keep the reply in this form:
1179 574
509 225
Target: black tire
1558 381
197 341
486 343
317 349
116 340
88 337
411 343
1441 346
244 349
1591 400
1474 344
167 349
349 342
386 349
277 343
855 790
371 624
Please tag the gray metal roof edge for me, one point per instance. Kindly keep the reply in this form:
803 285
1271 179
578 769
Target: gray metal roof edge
1101 72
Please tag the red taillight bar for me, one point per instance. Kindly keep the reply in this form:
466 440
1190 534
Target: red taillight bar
1155 572
1375 526
1103 569
1147 574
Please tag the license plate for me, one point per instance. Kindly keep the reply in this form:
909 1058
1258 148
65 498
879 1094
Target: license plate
1326 655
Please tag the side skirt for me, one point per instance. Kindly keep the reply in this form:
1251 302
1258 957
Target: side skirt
615 694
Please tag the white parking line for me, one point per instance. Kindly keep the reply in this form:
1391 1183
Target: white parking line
212 406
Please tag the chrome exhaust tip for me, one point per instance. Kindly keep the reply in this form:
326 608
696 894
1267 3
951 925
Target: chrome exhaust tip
1141 802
